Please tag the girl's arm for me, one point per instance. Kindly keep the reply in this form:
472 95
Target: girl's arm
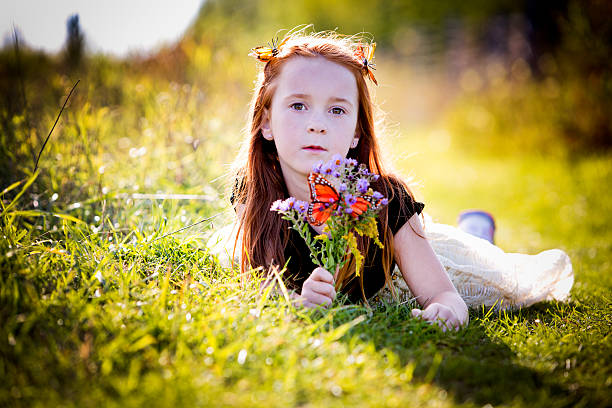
427 278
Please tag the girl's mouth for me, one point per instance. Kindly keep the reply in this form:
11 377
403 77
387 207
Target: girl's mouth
314 148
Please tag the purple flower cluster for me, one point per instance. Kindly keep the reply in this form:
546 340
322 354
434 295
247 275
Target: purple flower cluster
362 185
350 199
289 204
342 167
337 161
354 182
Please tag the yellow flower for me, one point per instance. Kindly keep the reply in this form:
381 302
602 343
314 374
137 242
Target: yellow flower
352 246
322 237
369 229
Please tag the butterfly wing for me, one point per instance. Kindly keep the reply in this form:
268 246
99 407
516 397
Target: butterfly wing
324 199
265 53
366 58
321 190
371 74
359 53
318 213
361 205
262 53
370 63
371 50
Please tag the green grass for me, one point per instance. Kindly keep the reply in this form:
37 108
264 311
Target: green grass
100 306
115 316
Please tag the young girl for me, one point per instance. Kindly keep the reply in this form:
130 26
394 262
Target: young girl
311 103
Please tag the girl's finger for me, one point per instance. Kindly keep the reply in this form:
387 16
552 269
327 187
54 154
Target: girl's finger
431 312
317 299
445 314
449 318
445 324
320 274
416 312
322 288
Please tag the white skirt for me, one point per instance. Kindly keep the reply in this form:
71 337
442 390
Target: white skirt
483 273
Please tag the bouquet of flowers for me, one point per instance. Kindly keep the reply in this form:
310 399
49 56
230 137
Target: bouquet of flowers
342 199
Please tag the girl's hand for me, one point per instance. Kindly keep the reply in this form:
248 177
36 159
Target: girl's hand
318 289
438 313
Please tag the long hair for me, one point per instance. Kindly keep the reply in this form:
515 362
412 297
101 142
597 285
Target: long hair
260 179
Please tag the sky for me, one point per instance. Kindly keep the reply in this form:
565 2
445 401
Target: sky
115 27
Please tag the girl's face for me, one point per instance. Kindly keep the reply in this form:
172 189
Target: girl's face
313 114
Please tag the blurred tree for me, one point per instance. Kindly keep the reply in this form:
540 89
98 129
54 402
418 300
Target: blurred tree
585 70
561 46
75 43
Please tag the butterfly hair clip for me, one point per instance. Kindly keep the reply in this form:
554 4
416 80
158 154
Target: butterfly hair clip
265 53
366 57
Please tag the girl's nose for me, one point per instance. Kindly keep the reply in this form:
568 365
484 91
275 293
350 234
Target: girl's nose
317 127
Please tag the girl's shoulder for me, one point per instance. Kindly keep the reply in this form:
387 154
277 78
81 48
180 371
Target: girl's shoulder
396 189
401 203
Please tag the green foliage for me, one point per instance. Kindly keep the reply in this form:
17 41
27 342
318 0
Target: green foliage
551 98
101 303
382 17
113 311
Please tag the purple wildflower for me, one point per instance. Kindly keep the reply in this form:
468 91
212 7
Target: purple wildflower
348 210
275 205
327 168
384 201
375 177
336 174
291 201
317 167
351 162
377 195
350 199
342 188
362 185
337 160
300 206
283 206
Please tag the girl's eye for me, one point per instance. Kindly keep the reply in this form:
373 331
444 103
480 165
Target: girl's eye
298 106
337 111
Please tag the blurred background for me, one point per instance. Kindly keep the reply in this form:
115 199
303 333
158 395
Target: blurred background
459 82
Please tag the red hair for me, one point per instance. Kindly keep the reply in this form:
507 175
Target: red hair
264 234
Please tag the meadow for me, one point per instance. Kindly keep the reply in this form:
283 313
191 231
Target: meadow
109 295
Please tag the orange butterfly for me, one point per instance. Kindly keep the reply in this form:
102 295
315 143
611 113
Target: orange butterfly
368 65
266 53
324 200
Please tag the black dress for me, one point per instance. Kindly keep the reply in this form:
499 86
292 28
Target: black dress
300 266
